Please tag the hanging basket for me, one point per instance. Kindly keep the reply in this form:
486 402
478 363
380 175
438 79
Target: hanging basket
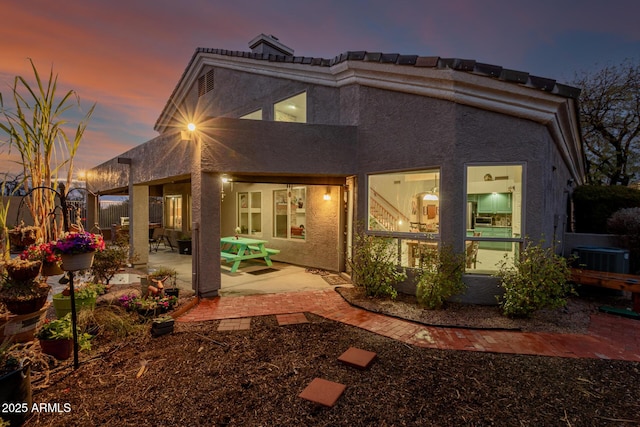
77 262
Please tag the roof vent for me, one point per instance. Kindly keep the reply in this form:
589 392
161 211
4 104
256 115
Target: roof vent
269 45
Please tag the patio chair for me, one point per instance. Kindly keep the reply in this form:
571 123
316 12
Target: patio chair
158 237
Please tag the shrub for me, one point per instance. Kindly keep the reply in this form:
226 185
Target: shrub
595 204
538 279
626 222
440 277
373 265
109 261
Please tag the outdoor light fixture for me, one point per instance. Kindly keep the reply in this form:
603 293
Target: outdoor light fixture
327 194
430 196
191 127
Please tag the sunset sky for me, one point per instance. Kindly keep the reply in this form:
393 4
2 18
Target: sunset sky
127 56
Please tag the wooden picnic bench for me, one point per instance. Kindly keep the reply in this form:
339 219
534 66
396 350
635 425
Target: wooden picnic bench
605 279
238 249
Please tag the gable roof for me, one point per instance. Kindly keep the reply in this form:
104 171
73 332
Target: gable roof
520 78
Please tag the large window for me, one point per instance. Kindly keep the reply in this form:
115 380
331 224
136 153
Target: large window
289 213
173 212
292 109
493 216
250 213
406 205
405 202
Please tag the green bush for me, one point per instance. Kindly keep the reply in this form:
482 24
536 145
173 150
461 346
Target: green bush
373 265
595 204
108 262
626 222
439 277
537 279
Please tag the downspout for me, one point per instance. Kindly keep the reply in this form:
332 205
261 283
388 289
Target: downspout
195 253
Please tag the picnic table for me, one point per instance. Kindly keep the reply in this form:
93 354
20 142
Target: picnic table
238 249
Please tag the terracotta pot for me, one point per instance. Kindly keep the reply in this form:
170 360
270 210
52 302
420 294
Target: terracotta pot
77 262
60 349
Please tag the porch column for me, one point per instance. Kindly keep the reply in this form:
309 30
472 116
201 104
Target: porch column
93 216
206 197
139 224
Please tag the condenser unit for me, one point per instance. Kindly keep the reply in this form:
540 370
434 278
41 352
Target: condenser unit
612 260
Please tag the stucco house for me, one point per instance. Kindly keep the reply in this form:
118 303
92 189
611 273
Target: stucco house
298 151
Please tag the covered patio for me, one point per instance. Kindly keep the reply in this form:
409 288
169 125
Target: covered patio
253 277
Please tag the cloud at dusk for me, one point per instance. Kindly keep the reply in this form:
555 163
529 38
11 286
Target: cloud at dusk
127 56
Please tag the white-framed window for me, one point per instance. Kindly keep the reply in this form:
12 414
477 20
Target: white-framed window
173 212
250 212
292 109
289 213
493 215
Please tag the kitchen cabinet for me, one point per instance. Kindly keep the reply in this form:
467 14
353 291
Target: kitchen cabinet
488 231
494 203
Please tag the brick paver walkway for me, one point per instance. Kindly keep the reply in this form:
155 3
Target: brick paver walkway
609 337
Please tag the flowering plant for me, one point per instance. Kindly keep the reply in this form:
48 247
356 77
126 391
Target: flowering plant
157 304
79 243
42 252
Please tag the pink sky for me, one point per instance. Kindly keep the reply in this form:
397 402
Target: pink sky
127 56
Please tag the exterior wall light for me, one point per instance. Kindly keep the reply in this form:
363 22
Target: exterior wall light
191 127
327 194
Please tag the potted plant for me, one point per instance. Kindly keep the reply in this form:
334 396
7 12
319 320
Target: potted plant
85 296
21 290
77 249
56 338
184 245
162 325
149 305
24 235
44 253
164 282
15 382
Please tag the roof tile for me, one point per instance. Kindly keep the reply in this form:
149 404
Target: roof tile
542 83
389 57
427 61
514 76
407 59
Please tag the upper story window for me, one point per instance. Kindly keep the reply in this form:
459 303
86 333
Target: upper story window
256 115
205 83
292 109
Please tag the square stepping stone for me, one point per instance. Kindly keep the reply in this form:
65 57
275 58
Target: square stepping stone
291 319
323 392
235 324
357 358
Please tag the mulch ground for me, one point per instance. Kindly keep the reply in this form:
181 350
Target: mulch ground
199 376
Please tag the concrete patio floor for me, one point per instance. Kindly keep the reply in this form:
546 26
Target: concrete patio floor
280 277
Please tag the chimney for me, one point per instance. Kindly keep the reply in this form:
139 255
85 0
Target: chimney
269 45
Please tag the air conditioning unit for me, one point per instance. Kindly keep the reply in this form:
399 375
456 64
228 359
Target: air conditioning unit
612 260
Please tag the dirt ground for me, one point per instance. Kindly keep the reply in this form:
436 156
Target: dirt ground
198 376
